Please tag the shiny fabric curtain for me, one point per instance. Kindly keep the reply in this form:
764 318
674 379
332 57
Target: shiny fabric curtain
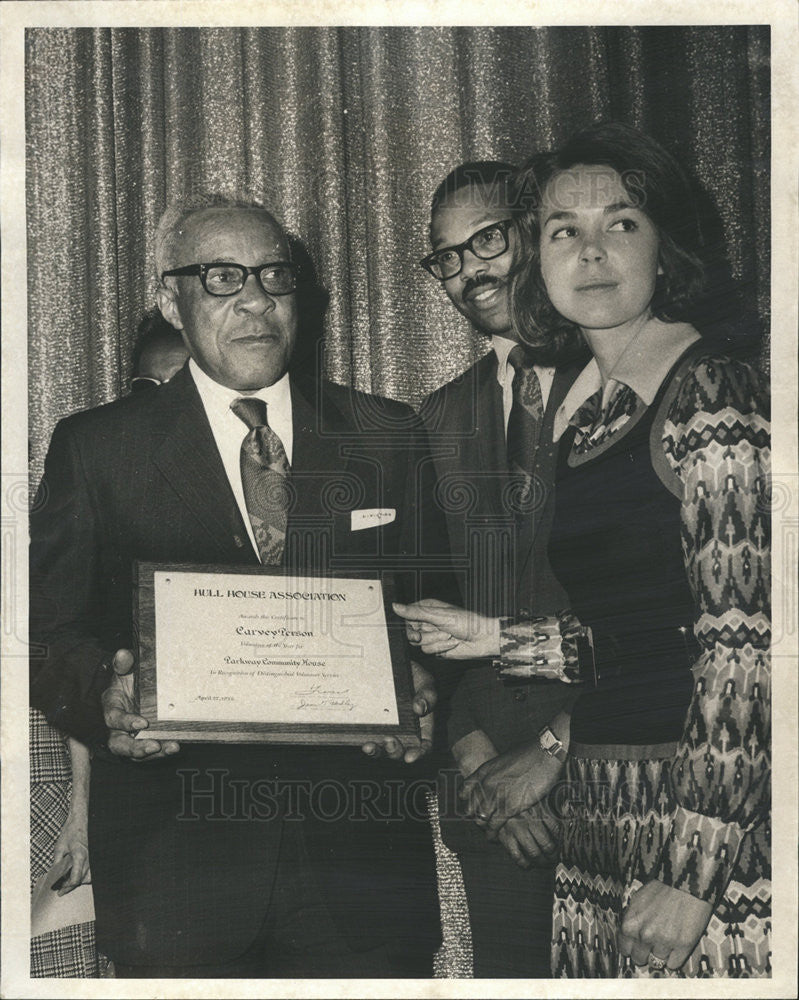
346 132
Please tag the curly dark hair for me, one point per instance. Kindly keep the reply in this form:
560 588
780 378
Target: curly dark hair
655 183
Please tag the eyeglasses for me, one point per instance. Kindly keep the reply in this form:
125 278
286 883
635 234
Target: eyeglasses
277 278
486 244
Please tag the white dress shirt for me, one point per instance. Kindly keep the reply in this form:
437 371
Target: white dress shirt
229 430
502 347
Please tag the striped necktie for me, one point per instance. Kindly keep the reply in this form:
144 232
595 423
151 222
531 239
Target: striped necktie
264 476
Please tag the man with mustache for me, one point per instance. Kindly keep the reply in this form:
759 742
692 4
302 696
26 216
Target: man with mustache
491 432
221 859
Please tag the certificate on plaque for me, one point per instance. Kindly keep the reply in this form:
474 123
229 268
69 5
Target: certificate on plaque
231 655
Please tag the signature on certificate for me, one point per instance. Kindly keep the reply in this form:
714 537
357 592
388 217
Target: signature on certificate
317 696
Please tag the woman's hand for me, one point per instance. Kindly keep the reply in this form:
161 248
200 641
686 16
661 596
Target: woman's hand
448 631
663 923
73 841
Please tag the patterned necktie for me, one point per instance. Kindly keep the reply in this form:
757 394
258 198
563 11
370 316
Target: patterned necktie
526 416
264 476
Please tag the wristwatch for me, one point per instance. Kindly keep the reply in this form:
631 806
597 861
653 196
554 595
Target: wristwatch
551 745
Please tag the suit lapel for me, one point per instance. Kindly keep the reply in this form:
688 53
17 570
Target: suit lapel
332 473
490 434
189 459
316 452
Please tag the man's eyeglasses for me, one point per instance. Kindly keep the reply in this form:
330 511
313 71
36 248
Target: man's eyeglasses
277 278
486 243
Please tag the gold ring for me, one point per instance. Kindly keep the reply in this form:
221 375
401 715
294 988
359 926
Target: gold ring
656 964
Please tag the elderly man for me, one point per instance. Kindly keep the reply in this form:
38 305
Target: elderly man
492 434
195 874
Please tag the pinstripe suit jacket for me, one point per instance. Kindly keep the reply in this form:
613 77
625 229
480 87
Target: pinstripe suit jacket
142 479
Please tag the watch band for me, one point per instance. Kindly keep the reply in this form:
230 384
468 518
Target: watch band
551 745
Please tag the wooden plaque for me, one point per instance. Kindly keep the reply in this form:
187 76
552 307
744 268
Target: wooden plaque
242 655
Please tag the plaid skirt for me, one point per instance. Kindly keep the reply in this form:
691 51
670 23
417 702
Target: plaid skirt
70 951
617 815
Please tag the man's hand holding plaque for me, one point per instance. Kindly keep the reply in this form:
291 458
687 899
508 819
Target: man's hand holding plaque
424 701
122 719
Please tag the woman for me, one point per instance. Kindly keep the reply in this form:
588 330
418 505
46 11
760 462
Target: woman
660 540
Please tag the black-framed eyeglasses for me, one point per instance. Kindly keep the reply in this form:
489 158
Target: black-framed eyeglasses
276 278
486 243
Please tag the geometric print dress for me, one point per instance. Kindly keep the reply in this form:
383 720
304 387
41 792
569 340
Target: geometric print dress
693 811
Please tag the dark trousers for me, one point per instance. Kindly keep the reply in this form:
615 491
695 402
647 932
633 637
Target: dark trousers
298 938
510 911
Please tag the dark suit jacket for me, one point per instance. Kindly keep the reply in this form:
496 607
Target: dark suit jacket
182 863
502 567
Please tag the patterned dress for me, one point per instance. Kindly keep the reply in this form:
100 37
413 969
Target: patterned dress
685 797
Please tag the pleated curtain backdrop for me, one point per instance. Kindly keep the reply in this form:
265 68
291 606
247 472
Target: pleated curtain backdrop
346 132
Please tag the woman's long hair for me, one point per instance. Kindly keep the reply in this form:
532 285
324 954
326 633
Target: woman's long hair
655 183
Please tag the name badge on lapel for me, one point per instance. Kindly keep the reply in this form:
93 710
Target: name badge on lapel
373 518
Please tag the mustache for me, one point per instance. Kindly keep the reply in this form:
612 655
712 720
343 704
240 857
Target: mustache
479 281
255 327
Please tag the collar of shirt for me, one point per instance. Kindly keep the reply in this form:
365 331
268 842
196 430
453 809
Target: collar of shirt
217 399
642 366
502 346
